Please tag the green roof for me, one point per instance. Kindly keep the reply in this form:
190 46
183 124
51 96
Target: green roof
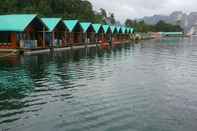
16 23
128 30
96 27
105 28
70 24
113 28
51 23
118 28
131 30
85 26
123 30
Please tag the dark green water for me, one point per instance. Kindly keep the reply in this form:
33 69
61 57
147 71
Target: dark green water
151 86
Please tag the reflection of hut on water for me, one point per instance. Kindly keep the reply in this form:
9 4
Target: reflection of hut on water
55 37
21 31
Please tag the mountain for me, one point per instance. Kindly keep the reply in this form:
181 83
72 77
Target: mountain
186 21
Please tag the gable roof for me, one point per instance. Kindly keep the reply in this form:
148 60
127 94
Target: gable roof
118 28
85 26
70 24
96 27
105 28
113 28
51 23
123 30
16 23
128 30
131 30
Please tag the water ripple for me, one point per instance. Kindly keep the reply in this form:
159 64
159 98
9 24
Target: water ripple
140 87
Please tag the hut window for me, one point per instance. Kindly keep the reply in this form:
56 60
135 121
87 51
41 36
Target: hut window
5 38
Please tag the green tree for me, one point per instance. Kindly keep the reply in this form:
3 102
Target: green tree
68 9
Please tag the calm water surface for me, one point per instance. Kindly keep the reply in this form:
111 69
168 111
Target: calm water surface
151 86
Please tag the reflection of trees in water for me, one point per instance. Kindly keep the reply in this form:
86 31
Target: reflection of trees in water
14 86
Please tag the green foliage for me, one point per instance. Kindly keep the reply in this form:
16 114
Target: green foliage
165 27
68 9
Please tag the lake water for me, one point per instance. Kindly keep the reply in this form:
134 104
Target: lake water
150 86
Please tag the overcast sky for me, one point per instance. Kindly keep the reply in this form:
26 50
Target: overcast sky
138 8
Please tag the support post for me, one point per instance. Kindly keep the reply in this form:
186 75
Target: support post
53 39
65 38
71 43
86 40
43 40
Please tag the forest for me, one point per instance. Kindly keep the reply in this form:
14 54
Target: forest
68 9
161 26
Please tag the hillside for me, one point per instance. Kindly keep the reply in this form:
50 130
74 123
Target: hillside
185 20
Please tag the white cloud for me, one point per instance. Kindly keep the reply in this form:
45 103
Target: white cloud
139 8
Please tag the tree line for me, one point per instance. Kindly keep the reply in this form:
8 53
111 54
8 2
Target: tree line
68 9
161 26
76 9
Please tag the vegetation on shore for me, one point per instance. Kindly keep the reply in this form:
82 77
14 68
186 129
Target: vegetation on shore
161 26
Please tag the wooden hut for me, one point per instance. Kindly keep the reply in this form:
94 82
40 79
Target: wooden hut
22 31
55 36
99 32
132 30
88 32
119 34
107 33
114 33
124 35
127 33
106 41
128 30
75 31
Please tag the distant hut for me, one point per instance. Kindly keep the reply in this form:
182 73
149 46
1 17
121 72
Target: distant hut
114 32
124 35
131 33
127 33
22 31
88 32
128 30
55 36
98 29
132 30
107 34
119 34
75 31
